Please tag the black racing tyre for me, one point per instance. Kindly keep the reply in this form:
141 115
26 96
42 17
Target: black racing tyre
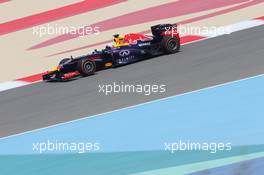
64 61
86 67
171 44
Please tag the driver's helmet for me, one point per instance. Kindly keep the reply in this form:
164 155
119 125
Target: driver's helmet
119 39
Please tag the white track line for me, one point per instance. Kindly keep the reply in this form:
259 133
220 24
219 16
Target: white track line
11 85
223 30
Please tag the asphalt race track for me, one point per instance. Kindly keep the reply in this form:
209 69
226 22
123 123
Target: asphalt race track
198 65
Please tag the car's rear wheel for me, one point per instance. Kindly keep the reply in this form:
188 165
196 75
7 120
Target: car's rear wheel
86 67
171 44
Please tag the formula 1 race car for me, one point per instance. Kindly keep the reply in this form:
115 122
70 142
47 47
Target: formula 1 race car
126 49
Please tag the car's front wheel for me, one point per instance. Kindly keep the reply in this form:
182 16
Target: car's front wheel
86 67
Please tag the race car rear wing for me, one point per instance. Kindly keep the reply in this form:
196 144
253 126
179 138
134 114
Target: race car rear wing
159 29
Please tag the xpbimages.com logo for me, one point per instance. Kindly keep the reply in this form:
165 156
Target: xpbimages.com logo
211 147
197 30
60 146
144 89
49 29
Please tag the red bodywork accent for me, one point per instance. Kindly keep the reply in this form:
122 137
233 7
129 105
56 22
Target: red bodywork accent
70 75
132 38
